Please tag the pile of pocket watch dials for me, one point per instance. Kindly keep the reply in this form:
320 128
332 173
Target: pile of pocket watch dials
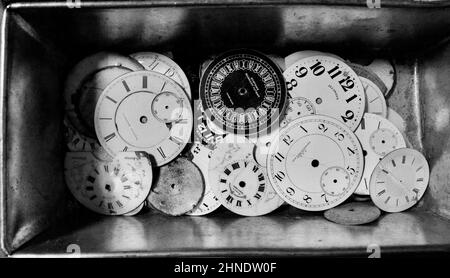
314 136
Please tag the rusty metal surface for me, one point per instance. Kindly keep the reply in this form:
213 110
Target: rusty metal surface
286 233
434 84
45 39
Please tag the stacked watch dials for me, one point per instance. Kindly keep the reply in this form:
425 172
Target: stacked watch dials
128 118
311 130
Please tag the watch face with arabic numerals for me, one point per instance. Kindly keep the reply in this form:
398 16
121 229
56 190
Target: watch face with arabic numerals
243 90
374 89
378 137
203 130
115 187
330 85
144 111
316 163
399 180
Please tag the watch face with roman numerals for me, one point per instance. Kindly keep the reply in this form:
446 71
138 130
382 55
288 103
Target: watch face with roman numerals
116 187
144 111
330 85
243 90
160 63
377 136
240 184
316 163
399 180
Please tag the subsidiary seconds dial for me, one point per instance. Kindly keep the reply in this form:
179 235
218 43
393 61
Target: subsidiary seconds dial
144 111
316 164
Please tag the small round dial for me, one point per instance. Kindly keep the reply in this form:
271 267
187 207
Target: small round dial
243 90
167 107
240 184
243 183
86 81
335 181
383 141
374 89
330 85
203 132
308 151
298 107
125 120
209 203
111 188
378 137
399 180
162 64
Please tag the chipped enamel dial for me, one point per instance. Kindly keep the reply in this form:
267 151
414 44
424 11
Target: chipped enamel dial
116 187
399 180
316 164
144 111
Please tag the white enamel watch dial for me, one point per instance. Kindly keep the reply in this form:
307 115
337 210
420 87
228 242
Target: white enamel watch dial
378 137
240 184
335 180
262 147
90 91
203 132
330 85
399 180
135 211
374 89
164 65
316 164
125 116
385 70
375 102
298 107
111 188
83 72
209 202
167 107
296 56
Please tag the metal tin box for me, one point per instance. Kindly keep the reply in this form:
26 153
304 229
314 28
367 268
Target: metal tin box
41 41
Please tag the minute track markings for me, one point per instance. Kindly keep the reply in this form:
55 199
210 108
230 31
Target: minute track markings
135 125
